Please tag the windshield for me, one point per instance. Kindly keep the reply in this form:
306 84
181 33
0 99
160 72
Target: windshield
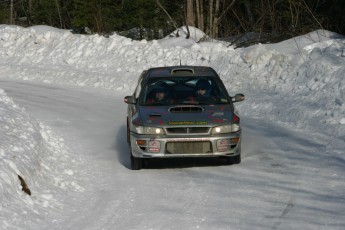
183 90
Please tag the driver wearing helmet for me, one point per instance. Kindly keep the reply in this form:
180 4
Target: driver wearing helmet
202 93
203 89
160 96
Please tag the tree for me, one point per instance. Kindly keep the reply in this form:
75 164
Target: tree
195 12
54 13
190 14
217 18
199 9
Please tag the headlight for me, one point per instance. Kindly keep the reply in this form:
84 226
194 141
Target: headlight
148 130
226 129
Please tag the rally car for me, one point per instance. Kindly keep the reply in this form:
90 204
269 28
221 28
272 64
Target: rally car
182 111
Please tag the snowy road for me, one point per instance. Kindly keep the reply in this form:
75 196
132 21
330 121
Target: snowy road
288 179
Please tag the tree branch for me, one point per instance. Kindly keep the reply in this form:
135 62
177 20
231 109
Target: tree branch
166 12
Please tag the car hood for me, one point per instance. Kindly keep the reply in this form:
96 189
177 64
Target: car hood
186 115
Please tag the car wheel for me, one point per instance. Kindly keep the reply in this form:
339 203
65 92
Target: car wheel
136 163
128 133
234 160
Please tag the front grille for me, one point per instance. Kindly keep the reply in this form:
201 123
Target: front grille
199 147
187 130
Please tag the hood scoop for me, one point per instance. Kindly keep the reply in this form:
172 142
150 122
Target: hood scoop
186 109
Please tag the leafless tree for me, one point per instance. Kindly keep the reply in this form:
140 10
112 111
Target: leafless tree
190 13
166 12
214 14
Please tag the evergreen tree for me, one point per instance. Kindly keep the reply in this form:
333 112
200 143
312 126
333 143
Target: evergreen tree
45 12
218 18
82 14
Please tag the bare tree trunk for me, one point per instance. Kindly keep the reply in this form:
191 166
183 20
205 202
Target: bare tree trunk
30 12
11 13
197 11
215 20
166 12
200 14
226 10
99 19
190 17
58 9
248 7
188 32
215 17
294 11
210 18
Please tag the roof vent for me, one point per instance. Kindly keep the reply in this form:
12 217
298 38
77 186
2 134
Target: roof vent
182 71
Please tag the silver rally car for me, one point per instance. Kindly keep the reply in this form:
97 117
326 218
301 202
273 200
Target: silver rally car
182 111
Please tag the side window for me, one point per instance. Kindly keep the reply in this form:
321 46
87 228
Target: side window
138 89
139 86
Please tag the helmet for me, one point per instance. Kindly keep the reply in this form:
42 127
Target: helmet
203 84
159 89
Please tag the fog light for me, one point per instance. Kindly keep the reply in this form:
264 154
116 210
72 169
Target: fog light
223 145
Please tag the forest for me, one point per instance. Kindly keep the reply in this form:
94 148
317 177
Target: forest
270 20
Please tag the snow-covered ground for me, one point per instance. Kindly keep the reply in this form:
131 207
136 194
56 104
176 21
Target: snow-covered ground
62 129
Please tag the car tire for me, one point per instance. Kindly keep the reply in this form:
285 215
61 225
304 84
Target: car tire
237 159
128 133
234 159
136 163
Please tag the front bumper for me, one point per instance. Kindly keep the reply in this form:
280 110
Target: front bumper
164 146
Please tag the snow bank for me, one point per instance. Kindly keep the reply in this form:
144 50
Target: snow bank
299 82
58 56
302 74
30 150
21 148
305 73
309 85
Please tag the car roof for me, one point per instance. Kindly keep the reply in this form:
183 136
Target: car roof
181 71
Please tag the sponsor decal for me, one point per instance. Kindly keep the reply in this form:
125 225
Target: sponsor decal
154 146
155 120
218 120
187 123
217 114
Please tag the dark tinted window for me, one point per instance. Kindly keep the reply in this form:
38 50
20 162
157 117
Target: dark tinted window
183 90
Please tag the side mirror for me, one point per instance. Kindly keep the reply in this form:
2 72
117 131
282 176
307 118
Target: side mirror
130 100
238 97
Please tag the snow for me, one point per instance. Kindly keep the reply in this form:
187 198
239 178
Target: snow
63 131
